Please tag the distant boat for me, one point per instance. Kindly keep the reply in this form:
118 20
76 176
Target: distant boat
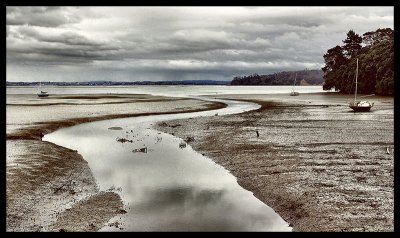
42 94
293 93
360 106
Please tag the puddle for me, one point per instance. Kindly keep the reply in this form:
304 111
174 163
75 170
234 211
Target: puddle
115 128
167 186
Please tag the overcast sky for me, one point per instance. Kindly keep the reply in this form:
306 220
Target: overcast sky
176 43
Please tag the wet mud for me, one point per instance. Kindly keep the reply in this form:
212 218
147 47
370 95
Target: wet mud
319 165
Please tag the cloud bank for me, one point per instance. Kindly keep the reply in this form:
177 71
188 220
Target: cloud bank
176 43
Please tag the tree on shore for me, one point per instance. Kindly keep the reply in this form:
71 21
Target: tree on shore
376 63
352 44
312 77
372 37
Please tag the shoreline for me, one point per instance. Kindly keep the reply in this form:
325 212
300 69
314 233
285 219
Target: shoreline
46 127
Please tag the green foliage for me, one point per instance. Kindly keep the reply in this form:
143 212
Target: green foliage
376 63
352 44
372 37
312 77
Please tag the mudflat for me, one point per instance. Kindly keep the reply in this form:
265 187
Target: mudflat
51 188
318 164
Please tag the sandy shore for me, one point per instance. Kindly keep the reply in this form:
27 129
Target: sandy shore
51 188
319 165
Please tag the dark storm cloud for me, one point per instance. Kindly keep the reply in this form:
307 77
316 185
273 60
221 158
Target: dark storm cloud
68 38
40 16
166 43
59 53
37 45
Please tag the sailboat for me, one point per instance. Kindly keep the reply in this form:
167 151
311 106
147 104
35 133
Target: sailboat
42 94
293 93
360 106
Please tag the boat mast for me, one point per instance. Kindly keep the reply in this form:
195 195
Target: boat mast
294 81
355 94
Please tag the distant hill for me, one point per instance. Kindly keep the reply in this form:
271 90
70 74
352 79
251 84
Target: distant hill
184 82
304 77
112 83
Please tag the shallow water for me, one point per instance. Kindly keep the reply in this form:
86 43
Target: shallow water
171 90
168 186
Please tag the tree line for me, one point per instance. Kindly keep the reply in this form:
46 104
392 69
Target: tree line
375 53
312 77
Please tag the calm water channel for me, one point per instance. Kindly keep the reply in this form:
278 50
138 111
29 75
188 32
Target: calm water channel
167 187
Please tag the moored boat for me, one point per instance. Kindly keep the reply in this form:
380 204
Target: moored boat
42 94
294 93
360 106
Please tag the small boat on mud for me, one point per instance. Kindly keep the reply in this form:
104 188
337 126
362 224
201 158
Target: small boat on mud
42 94
360 106
294 93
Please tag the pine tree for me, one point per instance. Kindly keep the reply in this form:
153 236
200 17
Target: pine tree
352 44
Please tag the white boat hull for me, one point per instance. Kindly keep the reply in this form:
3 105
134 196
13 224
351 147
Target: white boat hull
363 106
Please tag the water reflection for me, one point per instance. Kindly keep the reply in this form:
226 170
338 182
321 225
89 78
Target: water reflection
168 188
190 209
172 197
